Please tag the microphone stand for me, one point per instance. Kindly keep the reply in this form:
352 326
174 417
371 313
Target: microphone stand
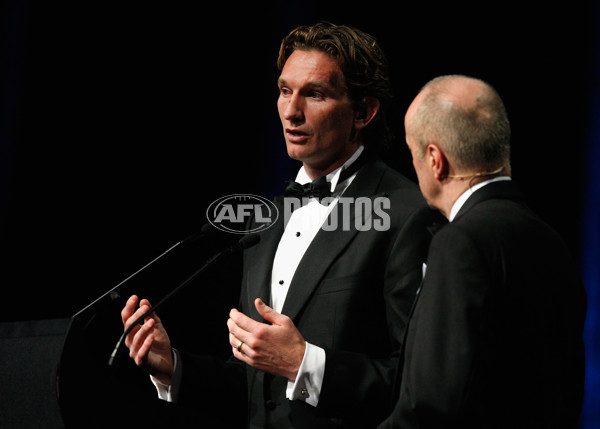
245 242
206 229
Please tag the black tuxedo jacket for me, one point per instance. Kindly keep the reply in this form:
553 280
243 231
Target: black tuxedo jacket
351 295
495 338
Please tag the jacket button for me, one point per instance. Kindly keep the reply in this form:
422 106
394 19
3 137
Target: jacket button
271 404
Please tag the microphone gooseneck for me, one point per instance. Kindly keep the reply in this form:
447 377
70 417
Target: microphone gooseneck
244 243
207 230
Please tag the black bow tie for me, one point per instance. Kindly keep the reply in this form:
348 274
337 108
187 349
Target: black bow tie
319 188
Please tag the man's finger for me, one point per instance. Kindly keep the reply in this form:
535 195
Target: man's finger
243 321
237 332
129 308
140 336
144 349
237 344
144 306
233 340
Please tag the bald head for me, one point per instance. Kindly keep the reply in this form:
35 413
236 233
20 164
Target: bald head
461 91
466 118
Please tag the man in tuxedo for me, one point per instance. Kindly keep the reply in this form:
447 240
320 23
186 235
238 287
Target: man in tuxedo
495 336
327 291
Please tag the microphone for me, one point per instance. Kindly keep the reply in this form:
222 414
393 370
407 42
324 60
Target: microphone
244 243
206 230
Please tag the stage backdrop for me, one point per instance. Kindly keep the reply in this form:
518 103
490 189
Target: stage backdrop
122 122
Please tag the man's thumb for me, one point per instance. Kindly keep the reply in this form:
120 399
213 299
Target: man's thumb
265 311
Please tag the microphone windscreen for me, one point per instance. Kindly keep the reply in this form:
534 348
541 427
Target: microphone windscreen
207 230
249 240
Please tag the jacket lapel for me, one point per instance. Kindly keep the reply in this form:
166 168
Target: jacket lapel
327 245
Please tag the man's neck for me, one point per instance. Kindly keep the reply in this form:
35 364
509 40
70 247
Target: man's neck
314 171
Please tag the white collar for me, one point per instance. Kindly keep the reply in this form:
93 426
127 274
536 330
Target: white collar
465 195
332 177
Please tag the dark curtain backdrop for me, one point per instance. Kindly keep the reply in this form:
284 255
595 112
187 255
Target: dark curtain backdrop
122 122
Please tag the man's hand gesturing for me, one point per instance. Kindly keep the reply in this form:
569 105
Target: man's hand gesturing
277 348
149 345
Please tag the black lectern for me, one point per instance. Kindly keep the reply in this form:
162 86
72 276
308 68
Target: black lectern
92 394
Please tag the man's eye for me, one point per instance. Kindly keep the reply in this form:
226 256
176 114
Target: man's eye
284 91
316 95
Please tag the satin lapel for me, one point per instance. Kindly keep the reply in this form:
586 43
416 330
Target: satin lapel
327 245
258 281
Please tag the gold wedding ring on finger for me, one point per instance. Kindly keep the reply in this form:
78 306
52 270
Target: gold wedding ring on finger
239 346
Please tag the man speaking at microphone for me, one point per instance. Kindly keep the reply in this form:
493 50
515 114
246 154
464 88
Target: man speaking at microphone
322 311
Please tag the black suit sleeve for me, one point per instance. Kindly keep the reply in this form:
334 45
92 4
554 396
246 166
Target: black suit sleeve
444 336
209 382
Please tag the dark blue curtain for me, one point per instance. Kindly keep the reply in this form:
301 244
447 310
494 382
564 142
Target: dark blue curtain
590 238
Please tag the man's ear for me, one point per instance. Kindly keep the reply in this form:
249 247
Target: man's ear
366 112
437 160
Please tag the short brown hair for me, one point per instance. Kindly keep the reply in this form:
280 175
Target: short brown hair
363 64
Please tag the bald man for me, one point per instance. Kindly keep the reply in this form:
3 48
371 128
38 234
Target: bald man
495 336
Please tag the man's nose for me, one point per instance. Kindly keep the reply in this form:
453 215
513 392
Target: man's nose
293 109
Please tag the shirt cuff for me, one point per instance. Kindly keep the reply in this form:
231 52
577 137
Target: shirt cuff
170 392
309 380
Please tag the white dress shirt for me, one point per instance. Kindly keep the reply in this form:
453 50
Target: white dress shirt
301 229
302 226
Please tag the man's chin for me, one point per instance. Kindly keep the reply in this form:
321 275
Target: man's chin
297 151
